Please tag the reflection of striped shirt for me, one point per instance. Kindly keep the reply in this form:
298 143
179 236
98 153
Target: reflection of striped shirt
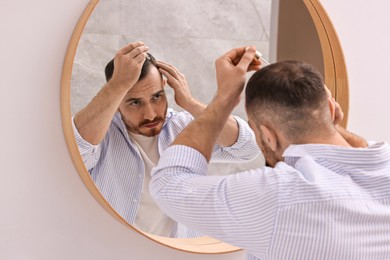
323 202
117 168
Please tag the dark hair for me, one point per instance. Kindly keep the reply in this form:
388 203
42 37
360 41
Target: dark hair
149 61
290 93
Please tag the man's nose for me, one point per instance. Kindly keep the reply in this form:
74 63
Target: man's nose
149 112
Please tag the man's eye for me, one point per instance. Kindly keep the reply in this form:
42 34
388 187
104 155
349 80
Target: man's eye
134 103
157 96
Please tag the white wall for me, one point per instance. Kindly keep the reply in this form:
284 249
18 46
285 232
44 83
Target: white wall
46 213
45 210
363 29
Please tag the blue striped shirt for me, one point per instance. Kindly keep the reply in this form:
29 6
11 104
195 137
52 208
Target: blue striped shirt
322 202
117 168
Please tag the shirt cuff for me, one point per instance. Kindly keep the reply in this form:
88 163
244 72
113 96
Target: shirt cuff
180 159
82 144
243 135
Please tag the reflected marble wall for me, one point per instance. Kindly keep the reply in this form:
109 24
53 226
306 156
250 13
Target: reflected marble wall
190 34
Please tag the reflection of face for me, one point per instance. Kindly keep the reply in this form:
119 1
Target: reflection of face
144 107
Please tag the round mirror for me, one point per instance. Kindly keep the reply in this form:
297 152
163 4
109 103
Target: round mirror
191 35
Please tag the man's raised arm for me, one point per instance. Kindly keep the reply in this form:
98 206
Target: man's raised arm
202 133
93 121
228 135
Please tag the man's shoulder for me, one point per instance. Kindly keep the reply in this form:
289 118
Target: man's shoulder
117 123
173 115
177 119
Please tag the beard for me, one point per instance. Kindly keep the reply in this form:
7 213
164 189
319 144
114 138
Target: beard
140 128
149 132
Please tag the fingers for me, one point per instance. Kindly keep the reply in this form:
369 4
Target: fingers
167 75
168 67
339 114
248 58
135 50
165 66
131 46
232 57
172 80
254 67
128 64
242 57
169 71
235 55
175 79
139 52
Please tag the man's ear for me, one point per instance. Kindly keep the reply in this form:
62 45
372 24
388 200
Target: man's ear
269 137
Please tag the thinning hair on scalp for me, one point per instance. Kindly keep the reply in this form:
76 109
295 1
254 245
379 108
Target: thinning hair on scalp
290 95
149 61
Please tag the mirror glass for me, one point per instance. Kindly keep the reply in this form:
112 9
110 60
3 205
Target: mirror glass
189 34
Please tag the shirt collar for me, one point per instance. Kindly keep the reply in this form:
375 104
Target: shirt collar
374 154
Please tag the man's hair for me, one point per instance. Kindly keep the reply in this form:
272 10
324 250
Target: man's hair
149 61
290 95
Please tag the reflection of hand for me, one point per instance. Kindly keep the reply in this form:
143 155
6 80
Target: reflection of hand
338 113
128 63
231 69
351 138
177 81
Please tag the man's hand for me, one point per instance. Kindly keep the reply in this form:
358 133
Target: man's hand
339 114
128 63
93 121
177 81
231 70
351 138
215 121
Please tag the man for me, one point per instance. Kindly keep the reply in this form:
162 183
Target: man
321 199
123 130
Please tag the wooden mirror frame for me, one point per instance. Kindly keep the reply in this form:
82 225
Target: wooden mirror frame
335 75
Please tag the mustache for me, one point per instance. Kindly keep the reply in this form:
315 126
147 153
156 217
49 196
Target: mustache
147 122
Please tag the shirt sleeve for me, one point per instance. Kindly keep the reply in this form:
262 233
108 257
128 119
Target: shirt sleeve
239 209
244 150
89 153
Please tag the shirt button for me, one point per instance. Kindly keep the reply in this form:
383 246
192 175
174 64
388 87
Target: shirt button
139 175
134 201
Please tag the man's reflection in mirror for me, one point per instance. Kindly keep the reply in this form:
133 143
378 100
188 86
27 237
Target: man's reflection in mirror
124 129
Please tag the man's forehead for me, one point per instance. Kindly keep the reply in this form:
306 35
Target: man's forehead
145 90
